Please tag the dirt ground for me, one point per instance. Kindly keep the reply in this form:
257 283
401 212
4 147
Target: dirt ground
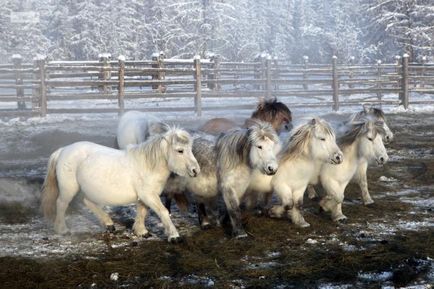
388 244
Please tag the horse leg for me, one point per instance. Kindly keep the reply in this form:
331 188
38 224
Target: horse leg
102 216
337 214
332 202
284 193
295 212
66 194
203 217
213 206
362 181
311 192
233 207
263 203
154 203
139 227
168 202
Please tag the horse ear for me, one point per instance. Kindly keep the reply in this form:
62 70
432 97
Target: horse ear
366 108
261 103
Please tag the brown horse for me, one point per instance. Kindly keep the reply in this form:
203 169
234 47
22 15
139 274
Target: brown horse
269 110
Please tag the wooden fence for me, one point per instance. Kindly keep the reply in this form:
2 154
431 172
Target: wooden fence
45 86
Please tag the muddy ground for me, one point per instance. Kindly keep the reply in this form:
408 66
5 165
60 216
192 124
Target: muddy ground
389 244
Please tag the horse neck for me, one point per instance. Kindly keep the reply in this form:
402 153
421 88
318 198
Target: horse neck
351 153
154 163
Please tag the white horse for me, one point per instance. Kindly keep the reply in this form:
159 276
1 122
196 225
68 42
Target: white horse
241 153
135 127
360 177
112 177
300 161
361 144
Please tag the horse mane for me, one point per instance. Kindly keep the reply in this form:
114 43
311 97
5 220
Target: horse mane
296 146
378 113
269 109
358 129
151 151
204 152
233 147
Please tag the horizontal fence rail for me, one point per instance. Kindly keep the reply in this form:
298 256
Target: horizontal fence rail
35 88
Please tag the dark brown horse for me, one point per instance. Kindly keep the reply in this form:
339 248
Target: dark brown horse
269 110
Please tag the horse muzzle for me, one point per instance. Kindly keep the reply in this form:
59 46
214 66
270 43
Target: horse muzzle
338 158
194 172
270 170
388 138
382 160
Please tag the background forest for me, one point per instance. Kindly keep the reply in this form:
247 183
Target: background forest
237 30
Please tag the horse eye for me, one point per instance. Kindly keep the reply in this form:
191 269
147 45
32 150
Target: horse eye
181 151
323 139
370 138
260 147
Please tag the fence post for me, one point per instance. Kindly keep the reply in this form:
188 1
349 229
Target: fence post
121 84
422 71
17 60
398 72
268 77
198 86
161 74
379 85
335 83
39 95
215 74
350 72
404 99
105 72
306 65
276 72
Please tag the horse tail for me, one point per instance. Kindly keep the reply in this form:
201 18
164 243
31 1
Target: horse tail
181 201
50 188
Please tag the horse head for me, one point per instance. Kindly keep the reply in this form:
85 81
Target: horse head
274 112
371 144
264 145
180 158
376 114
323 142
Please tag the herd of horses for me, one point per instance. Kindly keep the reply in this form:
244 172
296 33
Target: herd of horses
243 166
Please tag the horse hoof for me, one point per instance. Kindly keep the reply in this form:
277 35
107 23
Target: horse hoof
241 234
206 226
110 229
176 240
146 235
369 203
341 220
303 225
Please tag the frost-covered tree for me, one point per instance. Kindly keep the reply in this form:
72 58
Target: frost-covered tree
410 23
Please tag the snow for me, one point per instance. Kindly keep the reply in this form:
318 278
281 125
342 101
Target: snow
382 276
114 276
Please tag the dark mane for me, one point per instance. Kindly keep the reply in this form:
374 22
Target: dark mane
269 109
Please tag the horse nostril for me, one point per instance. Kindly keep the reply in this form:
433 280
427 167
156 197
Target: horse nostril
194 172
382 159
270 169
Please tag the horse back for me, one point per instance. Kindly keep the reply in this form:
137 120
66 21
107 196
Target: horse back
216 126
